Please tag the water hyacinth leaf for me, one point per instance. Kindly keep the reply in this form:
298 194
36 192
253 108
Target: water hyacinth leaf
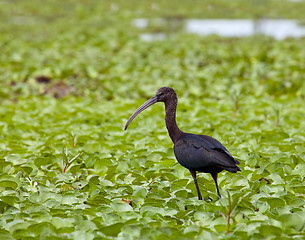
79 235
86 226
9 199
4 234
181 194
293 220
267 230
15 159
94 179
44 160
121 207
139 192
21 233
42 228
152 210
274 202
8 184
112 230
69 198
296 202
101 164
191 231
299 169
27 169
66 187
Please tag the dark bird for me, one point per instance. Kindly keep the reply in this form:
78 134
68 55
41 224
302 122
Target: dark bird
195 152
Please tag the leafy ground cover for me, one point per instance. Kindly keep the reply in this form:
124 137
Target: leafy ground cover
72 73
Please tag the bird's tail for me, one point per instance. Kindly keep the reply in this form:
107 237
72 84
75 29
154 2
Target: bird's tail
233 169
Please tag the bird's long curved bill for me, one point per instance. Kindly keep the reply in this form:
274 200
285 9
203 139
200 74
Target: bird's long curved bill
148 103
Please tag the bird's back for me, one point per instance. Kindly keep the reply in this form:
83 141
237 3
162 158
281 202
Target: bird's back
203 153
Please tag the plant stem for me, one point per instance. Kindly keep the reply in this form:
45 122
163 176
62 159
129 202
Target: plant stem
229 217
73 141
65 168
236 107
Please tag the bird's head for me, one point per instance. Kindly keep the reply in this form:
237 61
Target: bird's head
162 95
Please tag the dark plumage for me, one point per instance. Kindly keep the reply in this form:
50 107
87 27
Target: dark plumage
195 152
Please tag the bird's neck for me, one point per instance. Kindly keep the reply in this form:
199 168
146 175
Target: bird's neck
170 119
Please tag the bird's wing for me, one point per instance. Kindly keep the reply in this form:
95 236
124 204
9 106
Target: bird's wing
209 142
200 151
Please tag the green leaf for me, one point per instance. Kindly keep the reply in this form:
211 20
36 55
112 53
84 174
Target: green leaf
274 202
15 159
8 184
139 192
267 230
112 230
10 200
293 220
5 234
121 207
42 228
65 155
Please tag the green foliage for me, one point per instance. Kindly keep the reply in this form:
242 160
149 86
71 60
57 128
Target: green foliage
72 72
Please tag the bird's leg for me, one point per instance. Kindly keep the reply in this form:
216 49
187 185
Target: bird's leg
214 176
197 187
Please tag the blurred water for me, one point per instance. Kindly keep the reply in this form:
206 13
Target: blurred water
152 37
223 27
278 29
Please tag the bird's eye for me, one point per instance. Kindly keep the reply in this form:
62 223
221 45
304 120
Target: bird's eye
160 94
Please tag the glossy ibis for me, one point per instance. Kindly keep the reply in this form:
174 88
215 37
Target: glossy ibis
195 152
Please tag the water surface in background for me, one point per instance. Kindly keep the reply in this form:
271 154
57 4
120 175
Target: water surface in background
278 29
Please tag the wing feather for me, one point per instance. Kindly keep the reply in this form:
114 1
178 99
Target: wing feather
203 152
